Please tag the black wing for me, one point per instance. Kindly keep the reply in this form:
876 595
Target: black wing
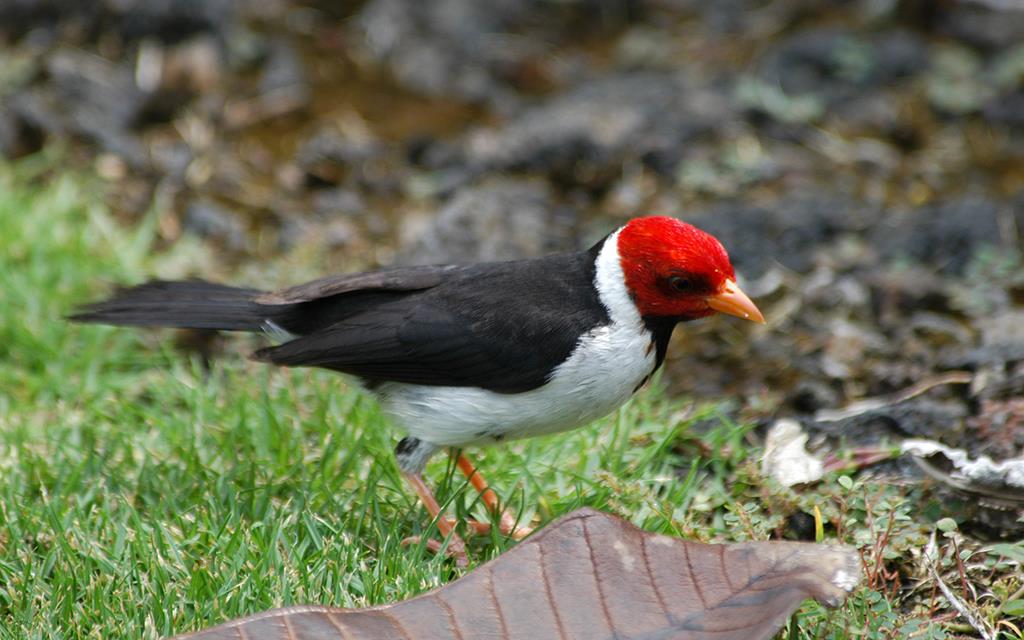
394 279
498 326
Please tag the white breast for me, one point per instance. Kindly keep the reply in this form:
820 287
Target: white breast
603 371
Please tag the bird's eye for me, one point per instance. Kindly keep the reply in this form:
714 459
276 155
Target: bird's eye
681 284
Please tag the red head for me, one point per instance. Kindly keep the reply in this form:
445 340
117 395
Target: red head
673 269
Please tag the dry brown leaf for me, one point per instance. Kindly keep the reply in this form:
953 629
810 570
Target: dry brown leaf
591 575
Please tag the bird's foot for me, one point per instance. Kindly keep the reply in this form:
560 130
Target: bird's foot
507 527
456 548
507 524
518 533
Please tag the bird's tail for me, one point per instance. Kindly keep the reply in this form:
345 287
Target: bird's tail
184 304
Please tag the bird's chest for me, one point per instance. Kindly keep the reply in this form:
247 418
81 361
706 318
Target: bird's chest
607 366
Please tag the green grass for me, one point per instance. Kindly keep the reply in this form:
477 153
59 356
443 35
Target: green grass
142 495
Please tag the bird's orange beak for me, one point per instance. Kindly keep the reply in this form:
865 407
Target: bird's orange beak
736 303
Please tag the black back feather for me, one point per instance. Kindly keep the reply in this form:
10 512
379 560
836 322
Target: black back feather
499 326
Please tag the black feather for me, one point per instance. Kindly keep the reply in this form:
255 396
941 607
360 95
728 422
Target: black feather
499 326
188 304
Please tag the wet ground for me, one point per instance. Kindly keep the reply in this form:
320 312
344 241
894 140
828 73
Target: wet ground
863 162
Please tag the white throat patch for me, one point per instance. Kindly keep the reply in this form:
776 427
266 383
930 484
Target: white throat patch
611 283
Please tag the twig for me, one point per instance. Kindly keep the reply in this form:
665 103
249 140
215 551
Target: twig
962 608
873 404
859 458
960 570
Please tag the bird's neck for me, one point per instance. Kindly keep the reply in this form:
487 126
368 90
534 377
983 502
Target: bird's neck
610 282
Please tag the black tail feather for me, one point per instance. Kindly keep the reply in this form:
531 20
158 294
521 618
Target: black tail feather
186 304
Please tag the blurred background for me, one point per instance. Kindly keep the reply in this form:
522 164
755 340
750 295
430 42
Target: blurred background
861 160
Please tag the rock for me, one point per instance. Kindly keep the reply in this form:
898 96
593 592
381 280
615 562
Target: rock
499 220
438 48
283 89
338 202
899 293
195 66
284 70
328 156
827 290
17 136
584 136
801 526
36 108
829 72
98 100
836 64
171 158
1006 109
1002 344
172 20
812 394
938 331
988 28
207 219
1004 331
469 49
945 236
9 133
789 231
333 147
131 20
846 348
20 17
1006 72
955 84
999 425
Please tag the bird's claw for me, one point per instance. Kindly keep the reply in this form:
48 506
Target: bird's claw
518 533
455 549
507 527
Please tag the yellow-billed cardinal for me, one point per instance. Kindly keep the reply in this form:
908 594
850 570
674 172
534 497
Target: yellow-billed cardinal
474 354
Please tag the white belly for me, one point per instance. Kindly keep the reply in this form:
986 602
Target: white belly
604 370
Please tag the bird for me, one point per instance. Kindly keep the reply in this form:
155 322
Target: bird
464 355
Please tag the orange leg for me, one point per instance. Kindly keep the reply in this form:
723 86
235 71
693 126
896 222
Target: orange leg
456 547
490 499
